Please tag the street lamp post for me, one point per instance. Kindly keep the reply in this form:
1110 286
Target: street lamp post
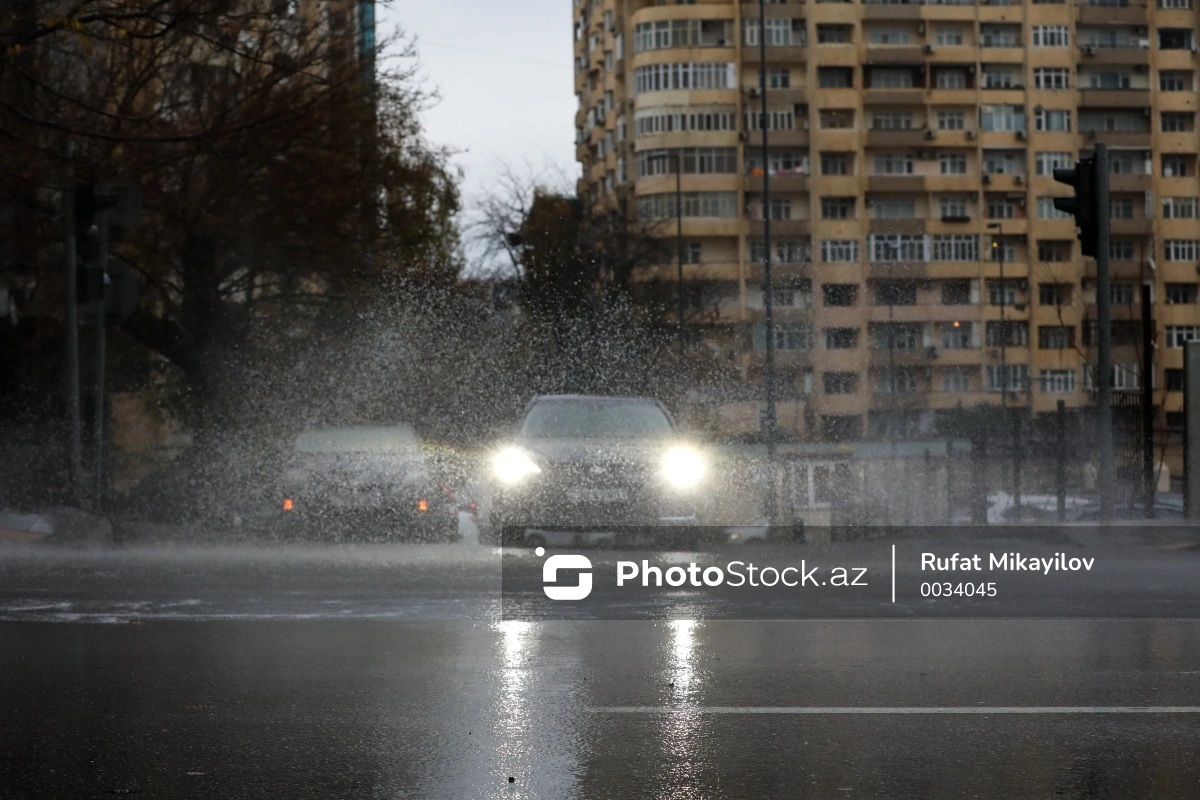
675 163
998 246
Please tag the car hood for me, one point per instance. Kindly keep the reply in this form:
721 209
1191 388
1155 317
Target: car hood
597 451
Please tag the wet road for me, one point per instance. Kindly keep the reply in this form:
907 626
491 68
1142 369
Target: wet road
387 671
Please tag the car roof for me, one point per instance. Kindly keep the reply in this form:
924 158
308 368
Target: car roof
593 398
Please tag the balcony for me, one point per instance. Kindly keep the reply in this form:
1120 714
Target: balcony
895 183
896 138
914 357
1003 182
896 226
791 138
791 53
1112 56
781 227
1116 138
895 54
1129 14
888 11
1115 98
1129 183
1137 226
894 97
779 182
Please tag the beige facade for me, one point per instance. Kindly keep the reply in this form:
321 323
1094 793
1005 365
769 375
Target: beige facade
910 148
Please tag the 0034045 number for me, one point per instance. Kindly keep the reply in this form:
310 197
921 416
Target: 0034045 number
958 590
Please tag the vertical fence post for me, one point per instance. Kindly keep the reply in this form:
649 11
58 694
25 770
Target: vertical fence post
1191 430
1147 377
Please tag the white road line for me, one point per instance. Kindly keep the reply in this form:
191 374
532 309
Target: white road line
883 710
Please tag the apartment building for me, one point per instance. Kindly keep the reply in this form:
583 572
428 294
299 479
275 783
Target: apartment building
919 262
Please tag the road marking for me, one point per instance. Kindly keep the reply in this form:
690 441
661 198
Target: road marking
885 710
893 573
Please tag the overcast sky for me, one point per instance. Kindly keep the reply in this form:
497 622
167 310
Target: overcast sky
503 70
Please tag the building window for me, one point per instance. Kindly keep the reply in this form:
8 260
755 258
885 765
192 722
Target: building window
956 380
1000 207
1052 78
1046 163
896 381
787 251
1109 79
999 77
892 121
956 292
841 338
1180 208
951 79
1175 166
896 335
835 163
949 37
1177 335
1002 118
1178 122
691 161
840 295
898 247
841 427
1121 250
1003 293
1175 38
956 247
1175 382
835 77
1058 381
1051 36
953 207
673 119
840 382
836 119
953 163
894 164
1053 251
896 293
1054 294
951 120
1121 294
1180 294
839 251
1175 81
889 36
779 78
837 207
692 253
1056 337
780 208
835 34
1007 378
695 204
1181 250
1052 120
956 336
684 76
1010 333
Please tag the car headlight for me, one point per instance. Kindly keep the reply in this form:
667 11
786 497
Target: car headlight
512 465
683 467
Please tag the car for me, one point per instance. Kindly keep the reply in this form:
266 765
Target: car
363 482
589 464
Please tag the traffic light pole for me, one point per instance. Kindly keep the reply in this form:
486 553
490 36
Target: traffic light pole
71 325
1104 323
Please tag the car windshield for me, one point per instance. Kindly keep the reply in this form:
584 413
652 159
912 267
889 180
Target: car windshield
329 441
575 419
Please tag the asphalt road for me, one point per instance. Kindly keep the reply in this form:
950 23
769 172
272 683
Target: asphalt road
391 671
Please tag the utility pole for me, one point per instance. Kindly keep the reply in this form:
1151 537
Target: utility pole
71 324
98 275
679 246
768 299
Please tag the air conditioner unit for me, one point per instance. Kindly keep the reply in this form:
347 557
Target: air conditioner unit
754 91
986 180
970 134
1021 135
743 136
1089 50
930 134
1018 180
1019 306
928 48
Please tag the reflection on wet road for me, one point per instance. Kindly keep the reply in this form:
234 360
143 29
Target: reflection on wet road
431 695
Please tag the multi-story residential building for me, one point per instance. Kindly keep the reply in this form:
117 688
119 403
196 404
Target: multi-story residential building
918 258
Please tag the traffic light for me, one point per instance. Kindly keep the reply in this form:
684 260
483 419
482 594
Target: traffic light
1083 176
104 214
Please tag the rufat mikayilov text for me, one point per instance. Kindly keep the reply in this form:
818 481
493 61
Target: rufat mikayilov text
1005 562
